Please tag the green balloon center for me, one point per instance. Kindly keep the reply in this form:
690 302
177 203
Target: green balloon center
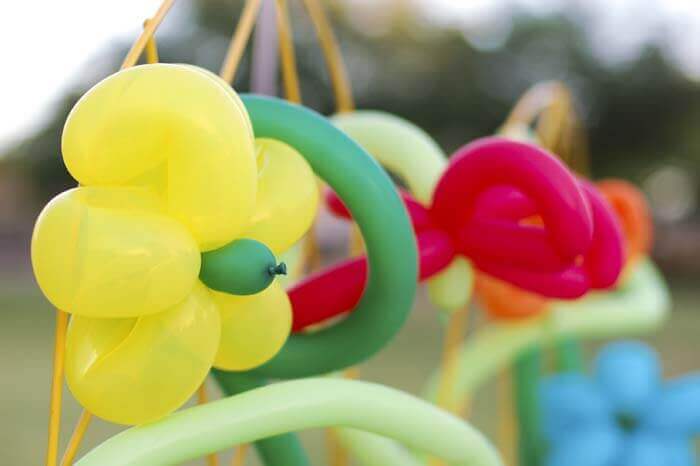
626 422
242 267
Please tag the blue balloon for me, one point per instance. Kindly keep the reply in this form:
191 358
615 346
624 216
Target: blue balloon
597 447
628 374
571 401
676 410
624 415
651 449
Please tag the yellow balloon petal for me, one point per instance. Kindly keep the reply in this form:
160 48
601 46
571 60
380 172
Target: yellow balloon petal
176 129
253 328
232 93
133 371
287 198
111 252
294 259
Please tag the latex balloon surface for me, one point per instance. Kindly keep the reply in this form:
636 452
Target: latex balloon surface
369 193
245 343
287 198
504 300
480 210
633 212
410 154
170 185
400 146
623 414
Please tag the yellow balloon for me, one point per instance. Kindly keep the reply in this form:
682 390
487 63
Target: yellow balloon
231 92
287 198
133 371
176 129
294 259
112 252
253 328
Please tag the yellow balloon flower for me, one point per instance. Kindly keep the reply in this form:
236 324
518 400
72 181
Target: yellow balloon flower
170 176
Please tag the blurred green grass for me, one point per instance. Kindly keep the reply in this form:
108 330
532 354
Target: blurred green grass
26 339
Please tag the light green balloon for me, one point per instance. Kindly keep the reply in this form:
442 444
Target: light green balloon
639 306
374 450
410 153
398 145
293 406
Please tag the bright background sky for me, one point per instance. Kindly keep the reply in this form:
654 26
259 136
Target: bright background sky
47 45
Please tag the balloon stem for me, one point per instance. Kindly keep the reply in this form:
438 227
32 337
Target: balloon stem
526 371
77 438
240 455
506 425
56 388
454 336
239 40
148 31
202 398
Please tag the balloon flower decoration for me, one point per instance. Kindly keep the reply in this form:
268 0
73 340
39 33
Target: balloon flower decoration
480 209
164 254
165 257
631 212
623 415
623 303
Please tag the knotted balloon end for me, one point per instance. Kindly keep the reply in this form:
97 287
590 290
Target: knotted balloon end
279 269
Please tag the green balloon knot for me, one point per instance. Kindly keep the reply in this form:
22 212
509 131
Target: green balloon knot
279 269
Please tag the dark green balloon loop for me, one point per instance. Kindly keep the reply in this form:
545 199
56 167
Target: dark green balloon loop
371 196
374 202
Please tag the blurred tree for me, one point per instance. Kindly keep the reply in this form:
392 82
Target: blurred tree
638 114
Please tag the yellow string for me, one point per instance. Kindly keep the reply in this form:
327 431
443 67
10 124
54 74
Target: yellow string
85 417
506 426
149 29
151 48
337 456
530 104
334 60
240 455
76 438
56 388
311 253
212 460
239 40
454 336
357 244
558 128
553 122
290 75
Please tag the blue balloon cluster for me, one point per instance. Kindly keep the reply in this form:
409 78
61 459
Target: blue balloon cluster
622 415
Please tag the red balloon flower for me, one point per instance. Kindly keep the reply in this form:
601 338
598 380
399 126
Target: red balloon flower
510 207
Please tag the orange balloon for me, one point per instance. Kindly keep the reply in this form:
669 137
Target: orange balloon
633 212
503 301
